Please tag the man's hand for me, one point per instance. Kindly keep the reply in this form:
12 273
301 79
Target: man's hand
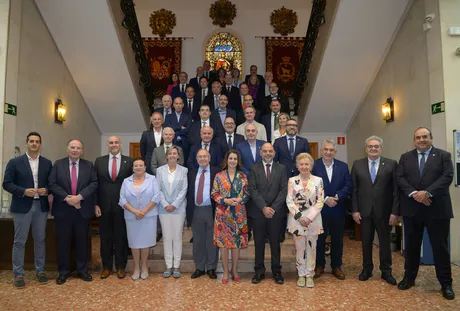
357 217
30 192
41 191
74 199
426 201
268 212
419 196
393 219
97 211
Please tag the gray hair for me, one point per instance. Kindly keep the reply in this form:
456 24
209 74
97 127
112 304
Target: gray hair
257 131
169 129
206 127
329 141
373 137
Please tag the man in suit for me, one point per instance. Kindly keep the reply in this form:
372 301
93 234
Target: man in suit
268 190
179 90
73 182
288 148
151 139
213 100
211 75
166 108
222 112
228 89
264 89
195 129
275 94
375 202
180 122
191 104
200 214
26 178
203 92
111 170
337 189
424 175
238 103
207 143
195 82
250 149
229 140
159 153
248 101
253 72
249 115
270 120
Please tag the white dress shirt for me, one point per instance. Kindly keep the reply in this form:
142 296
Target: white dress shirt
329 170
77 165
206 123
118 156
157 137
34 167
265 167
171 176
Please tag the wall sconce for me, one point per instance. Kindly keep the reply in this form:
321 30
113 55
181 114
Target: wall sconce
388 110
59 111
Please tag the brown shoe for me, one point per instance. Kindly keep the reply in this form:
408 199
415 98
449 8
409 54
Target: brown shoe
338 273
121 273
106 273
318 272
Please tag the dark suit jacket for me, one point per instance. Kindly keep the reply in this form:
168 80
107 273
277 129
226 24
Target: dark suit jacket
382 197
163 113
212 76
222 140
191 189
60 187
18 177
246 154
216 117
107 195
148 144
340 184
194 132
195 83
195 109
436 177
264 194
209 100
176 92
215 151
265 107
266 121
199 94
284 156
181 134
233 95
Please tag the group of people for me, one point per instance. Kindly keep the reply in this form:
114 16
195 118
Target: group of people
228 185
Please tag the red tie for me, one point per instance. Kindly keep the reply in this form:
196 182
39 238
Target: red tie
199 195
268 173
74 179
114 168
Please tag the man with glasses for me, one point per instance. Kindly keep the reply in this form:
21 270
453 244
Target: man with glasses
229 139
375 202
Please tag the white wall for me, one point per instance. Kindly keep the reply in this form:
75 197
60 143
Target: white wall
252 19
319 137
125 139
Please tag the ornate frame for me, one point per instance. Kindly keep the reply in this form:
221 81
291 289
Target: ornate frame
222 13
284 21
162 22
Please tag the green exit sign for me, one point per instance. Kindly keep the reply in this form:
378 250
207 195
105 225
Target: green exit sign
438 108
11 109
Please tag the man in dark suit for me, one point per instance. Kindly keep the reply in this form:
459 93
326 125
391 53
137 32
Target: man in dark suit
111 170
228 89
275 94
253 72
271 120
424 175
195 129
210 74
250 149
213 100
268 189
195 82
238 104
200 215
73 182
222 112
288 147
26 178
248 101
230 139
337 189
207 143
180 122
179 90
191 104
151 139
203 92
375 202
166 107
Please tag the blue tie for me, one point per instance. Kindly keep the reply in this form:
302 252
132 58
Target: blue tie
422 163
373 172
291 146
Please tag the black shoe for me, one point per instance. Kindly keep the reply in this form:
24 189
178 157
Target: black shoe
42 278
191 240
448 292
61 279
159 236
257 278
212 274
365 275
249 236
282 238
278 278
389 278
85 276
197 274
19 282
405 284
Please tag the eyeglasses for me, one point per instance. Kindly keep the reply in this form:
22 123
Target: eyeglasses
294 125
373 146
229 123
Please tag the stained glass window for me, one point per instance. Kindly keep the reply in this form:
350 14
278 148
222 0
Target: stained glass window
224 50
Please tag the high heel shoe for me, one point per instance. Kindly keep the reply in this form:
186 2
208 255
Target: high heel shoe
135 276
236 279
224 281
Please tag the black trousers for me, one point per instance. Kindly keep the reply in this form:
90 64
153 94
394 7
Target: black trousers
267 227
438 232
335 227
68 226
114 241
368 226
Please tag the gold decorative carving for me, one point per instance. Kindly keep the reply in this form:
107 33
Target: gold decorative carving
162 22
283 21
222 13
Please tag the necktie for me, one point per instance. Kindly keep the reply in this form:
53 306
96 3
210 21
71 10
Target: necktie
228 90
114 168
422 163
373 172
190 105
291 146
204 124
74 179
216 101
276 121
167 148
203 96
268 172
243 104
229 142
183 91
205 146
199 195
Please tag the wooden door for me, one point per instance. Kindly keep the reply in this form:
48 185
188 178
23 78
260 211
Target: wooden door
314 150
135 150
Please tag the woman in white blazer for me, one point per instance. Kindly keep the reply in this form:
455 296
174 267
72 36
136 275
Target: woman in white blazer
139 196
172 180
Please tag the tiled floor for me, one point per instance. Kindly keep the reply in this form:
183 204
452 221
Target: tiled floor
157 293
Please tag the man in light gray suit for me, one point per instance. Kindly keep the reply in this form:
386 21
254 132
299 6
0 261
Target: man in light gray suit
159 153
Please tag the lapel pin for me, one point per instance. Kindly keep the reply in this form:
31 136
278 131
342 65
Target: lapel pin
434 154
383 163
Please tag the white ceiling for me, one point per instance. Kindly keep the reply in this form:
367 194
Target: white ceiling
86 37
359 40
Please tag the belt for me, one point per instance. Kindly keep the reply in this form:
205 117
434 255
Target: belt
203 205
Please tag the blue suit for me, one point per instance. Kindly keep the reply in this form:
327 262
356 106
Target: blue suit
214 150
283 155
181 134
215 116
246 154
333 217
177 92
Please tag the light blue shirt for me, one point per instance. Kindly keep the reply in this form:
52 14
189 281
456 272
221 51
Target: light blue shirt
427 153
377 162
206 188
253 150
178 116
289 141
223 114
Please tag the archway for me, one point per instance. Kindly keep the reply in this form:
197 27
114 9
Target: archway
224 50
